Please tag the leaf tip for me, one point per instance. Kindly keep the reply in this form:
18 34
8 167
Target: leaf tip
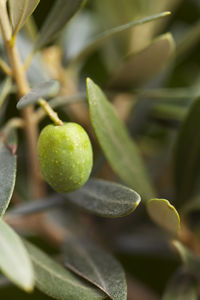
167 13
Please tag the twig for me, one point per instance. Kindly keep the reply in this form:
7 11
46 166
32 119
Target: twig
50 112
5 67
19 75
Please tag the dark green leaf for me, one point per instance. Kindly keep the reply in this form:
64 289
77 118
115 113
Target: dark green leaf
182 286
102 38
164 214
61 13
7 174
20 10
97 266
14 260
190 260
46 89
119 148
187 158
143 65
188 41
105 198
53 280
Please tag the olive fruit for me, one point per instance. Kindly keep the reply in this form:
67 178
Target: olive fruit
65 155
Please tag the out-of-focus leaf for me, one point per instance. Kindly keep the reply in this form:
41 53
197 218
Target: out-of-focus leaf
169 111
190 260
102 38
141 66
97 266
120 150
182 286
186 158
164 214
46 89
37 71
5 89
7 174
20 10
53 280
188 41
61 13
14 259
105 198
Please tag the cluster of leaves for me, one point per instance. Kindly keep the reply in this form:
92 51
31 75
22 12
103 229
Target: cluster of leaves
136 157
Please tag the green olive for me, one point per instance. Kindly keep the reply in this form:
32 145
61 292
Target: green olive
65 155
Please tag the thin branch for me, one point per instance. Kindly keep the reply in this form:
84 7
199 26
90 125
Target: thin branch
5 67
19 75
50 112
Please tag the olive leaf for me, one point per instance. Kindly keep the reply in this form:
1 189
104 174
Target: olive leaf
92 263
8 165
14 259
99 40
20 10
46 89
186 155
143 65
164 214
120 150
55 281
106 199
190 260
182 286
60 14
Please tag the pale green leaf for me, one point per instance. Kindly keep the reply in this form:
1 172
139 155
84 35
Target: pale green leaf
120 150
108 34
97 266
14 259
187 158
61 13
7 175
106 199
53 280
20 10
190 260
46 89
164 214
182 286
143 65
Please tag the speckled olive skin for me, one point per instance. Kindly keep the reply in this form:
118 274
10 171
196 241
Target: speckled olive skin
65 155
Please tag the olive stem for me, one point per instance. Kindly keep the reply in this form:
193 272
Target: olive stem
19 75
50 112
5 67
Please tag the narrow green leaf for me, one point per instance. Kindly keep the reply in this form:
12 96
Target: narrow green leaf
190 260
187 158
20 10
105 198
61 13
188 41
46 89
53 280
97 266
120 150
102 38
14 259
164 214
7 175
5 89
182 286
143 65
